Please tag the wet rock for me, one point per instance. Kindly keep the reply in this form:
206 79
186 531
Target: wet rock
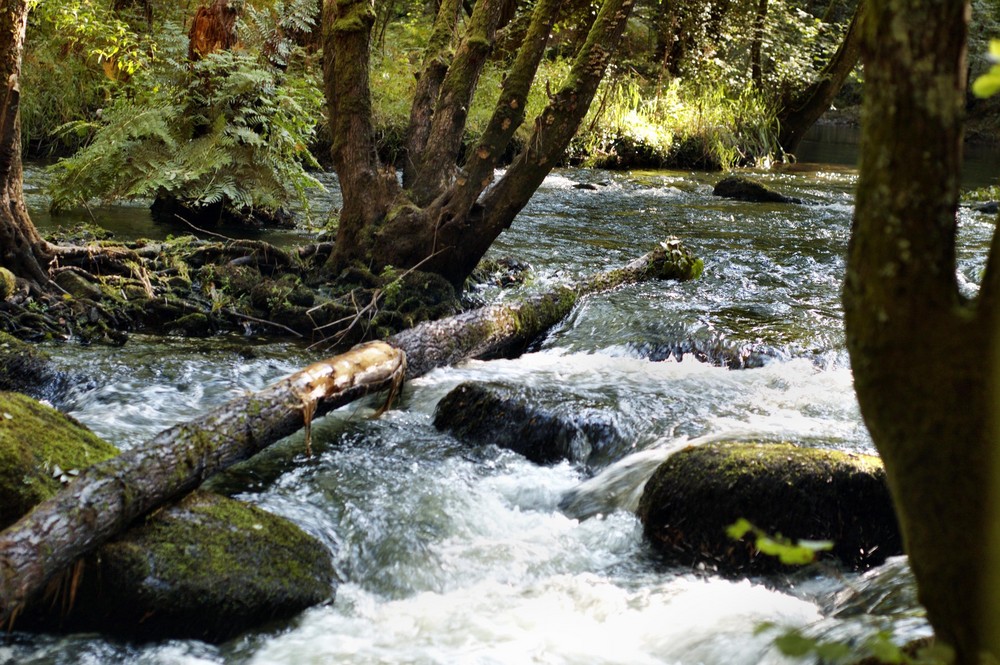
207 568
988 208
716 351
796 492
744 189
585 185
40 449
25 369
481 415
178 213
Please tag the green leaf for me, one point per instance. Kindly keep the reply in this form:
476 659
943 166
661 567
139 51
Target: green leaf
988 84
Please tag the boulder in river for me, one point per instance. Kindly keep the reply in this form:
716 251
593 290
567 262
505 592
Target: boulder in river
207 567
482 415
744 189
40 449
782 489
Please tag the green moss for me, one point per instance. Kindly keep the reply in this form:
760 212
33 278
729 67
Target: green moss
38 447
8 284
207 567
783 489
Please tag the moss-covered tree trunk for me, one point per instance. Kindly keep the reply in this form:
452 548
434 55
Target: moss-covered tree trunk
920 352
440 220
801 111
22 250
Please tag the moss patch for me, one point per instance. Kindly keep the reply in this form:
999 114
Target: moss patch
207 567
783 489
38 446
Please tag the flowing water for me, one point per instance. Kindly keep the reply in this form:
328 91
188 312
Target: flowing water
451 554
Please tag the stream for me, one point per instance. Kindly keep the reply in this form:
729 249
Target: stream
450 554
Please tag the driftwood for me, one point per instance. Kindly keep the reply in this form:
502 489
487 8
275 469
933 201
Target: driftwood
107 497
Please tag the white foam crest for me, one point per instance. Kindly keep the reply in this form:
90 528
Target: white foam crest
560 619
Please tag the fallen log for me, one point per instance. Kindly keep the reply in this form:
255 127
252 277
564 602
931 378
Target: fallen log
508 329
107 497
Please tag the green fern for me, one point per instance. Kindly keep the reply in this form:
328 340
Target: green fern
232 128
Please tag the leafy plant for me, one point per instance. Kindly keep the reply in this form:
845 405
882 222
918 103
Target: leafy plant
231 128
788 552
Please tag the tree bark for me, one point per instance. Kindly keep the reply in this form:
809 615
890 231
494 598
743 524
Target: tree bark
213 28
756 64
445 224
921 354
804 109
22 250
107 497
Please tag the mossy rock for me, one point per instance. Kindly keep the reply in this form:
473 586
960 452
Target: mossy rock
481 415
39 448
744 189
795 492
207 568
8 284
25 369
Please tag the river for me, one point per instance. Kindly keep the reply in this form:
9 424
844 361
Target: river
450 554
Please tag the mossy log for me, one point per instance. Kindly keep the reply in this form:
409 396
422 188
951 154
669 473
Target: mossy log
508 329
108 496
785 490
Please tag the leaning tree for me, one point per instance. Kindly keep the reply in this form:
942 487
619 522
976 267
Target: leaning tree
448 209
923 355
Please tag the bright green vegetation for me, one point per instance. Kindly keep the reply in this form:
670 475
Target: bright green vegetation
232 128
236 128
40 449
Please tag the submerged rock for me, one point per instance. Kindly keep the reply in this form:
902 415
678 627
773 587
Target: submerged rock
207 568
795 492
744 189
482 415
40 449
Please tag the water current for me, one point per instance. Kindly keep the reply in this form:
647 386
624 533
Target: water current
451 554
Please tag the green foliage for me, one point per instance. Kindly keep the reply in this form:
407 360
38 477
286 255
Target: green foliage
878 645
787 551
230 128
988 84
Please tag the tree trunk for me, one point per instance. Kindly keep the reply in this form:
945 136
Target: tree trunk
921 354
802 111
109 496
756 64
213 28
444 223
22 250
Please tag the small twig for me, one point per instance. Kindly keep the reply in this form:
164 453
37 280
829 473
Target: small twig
201 230
264 321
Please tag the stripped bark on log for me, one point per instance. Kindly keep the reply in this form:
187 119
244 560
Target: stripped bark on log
107 497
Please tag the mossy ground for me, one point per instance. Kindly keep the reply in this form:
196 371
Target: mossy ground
40 448
192 287
782 489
